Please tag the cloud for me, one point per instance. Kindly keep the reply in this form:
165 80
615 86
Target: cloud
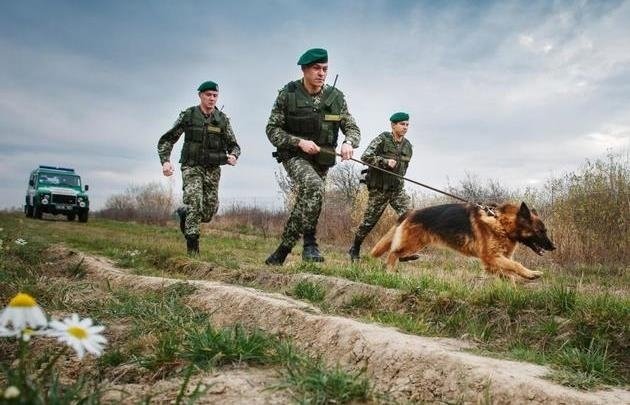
508 90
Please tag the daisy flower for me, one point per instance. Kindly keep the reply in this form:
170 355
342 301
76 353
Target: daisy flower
22 312
79 334
25 334
21 242
11 392
7 333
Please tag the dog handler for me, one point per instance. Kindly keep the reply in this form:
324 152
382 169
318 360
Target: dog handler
391 151
209 142
306 118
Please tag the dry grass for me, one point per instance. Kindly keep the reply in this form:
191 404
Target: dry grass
147 204
586 212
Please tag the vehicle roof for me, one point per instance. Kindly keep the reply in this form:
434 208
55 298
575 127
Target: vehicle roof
52 169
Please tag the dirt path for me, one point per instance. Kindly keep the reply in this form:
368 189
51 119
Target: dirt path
339 291
406 367
238 386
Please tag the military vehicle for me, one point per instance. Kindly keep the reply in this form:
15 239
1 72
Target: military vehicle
57 191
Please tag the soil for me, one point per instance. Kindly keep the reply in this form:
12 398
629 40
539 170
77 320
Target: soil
226 386
405 367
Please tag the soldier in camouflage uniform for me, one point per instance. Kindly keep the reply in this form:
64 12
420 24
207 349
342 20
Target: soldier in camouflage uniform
209 142
391 151
303 126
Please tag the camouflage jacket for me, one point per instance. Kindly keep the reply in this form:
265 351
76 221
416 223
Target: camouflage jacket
280 138
168 140
382 148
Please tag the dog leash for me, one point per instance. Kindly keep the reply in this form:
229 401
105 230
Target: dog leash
486 208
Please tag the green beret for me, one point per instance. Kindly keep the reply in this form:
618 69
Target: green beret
399 116
315 55
209 85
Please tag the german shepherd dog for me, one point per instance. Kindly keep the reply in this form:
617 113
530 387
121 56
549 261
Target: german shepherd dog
469 230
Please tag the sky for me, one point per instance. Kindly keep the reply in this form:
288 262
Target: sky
512 91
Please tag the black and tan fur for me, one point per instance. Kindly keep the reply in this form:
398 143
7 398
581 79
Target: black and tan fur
470 231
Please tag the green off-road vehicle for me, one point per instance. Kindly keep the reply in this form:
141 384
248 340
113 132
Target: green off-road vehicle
56 190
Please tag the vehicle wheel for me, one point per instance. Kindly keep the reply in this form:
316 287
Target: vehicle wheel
71 217
29 211
83 216
37 212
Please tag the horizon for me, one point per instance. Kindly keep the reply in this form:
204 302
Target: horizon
510 92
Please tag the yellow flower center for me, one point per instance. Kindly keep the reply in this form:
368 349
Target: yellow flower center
78 332
23 301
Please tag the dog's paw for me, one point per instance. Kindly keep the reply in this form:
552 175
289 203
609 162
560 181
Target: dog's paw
533 274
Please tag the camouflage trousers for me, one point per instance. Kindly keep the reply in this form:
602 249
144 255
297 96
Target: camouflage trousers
310 180
377 202
201 187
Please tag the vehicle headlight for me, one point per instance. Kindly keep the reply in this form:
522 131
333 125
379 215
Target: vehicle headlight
45 198
80 199
81 204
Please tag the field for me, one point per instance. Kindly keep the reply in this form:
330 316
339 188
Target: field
167 342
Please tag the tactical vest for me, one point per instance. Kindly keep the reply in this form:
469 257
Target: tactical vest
389 149
203 139
318 123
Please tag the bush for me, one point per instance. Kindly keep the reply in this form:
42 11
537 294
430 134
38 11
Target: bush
151 203
588 212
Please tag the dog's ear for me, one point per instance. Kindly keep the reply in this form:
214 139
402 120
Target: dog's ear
523 212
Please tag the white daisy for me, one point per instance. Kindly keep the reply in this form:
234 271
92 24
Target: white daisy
79 334
7 333
25 334
11 392
22 312
21 242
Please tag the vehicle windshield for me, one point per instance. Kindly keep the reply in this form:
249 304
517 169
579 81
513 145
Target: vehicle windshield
54 179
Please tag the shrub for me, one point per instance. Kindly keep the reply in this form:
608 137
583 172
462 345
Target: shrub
151 203
588 212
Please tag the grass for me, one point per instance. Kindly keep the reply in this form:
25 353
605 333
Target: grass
563 316
207 347
156 333
309 291
313 383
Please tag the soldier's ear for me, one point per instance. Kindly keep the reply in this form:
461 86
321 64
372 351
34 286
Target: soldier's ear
523 212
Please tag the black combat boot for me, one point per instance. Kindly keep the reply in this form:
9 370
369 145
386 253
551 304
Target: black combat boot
355 249
278 257
192 245
311 251
182 211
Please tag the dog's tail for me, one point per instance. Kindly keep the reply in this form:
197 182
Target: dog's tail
384 243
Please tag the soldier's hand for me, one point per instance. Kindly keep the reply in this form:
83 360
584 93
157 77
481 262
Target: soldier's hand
309 147
231 160
167 169
346 151
391 163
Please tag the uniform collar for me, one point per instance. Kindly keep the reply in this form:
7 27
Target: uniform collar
213 113
319 93
391 134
